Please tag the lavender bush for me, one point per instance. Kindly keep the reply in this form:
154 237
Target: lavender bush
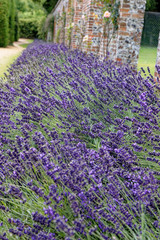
79 149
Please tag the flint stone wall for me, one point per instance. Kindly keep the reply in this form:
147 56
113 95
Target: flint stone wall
125 44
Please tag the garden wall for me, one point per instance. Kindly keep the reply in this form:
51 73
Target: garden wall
80 24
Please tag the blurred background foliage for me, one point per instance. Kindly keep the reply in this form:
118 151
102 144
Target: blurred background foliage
4 23
9 28
32 17
24 18
153 5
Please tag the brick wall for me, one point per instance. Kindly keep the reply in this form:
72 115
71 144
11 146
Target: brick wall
88 35
130 30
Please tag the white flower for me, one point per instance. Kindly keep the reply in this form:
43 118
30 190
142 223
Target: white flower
85 39
83 17
107 14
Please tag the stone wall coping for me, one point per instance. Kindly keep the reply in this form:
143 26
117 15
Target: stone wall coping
53 11
55 8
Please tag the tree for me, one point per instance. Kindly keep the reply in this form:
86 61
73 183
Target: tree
151 5
4 23
49 5
39 1
21 5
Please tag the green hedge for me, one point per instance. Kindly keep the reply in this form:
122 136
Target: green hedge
11 21
4 23
16 37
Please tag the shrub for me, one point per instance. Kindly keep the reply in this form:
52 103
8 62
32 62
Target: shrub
4 23
31 18
32 27
41 28
28 28
79 148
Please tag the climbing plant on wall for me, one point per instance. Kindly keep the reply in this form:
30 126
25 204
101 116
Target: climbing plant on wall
61 22
70 27
111 14
81 30
109 25
63 26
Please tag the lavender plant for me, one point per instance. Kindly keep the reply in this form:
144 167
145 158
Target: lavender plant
79 148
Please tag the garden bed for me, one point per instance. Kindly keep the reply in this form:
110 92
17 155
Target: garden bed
79 148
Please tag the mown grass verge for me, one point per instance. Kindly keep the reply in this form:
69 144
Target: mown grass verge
7 62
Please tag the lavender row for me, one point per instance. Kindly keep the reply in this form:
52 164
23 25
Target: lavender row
79 142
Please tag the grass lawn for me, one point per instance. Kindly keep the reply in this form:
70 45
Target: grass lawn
147 58
25 45
6 63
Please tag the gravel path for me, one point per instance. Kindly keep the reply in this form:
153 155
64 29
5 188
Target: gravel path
8 54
